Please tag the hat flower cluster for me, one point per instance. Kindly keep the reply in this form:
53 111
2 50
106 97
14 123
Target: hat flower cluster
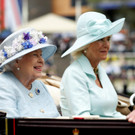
22 42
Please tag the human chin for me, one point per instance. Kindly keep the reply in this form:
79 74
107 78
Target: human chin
104 57
37 75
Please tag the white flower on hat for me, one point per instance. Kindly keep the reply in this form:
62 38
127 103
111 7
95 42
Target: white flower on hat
16 44
9 50
46 38
2 58
20 39
34 41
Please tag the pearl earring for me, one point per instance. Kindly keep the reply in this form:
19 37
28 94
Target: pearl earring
18 68
85 51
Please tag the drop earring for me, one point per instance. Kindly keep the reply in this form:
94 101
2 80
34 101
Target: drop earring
18 68
85 51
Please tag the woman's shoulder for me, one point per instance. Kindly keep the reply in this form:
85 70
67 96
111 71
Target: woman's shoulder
39 84
5 76
73 71
2 74
73 67
7 83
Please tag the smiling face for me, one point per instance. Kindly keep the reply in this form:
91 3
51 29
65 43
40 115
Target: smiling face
31 65
98 50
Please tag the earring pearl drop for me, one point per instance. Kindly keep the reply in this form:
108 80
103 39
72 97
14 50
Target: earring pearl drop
85 51
18 68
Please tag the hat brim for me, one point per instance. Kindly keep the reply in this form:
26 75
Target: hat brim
87 39
47 51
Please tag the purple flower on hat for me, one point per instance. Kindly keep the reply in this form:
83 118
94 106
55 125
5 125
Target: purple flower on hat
27 36
27 44
42 41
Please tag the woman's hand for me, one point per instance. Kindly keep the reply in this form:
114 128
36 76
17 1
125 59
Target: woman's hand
131 117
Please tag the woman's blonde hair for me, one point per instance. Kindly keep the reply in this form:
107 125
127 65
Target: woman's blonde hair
76 54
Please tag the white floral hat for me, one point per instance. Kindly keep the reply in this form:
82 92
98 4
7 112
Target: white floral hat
23 42
92 26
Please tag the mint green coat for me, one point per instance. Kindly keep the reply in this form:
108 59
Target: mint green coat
81 96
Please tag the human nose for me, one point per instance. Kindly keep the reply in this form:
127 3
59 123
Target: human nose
106 43
40 59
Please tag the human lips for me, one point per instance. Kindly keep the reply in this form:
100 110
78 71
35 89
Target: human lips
104 51
38 68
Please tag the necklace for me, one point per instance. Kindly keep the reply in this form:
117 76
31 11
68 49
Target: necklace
95 70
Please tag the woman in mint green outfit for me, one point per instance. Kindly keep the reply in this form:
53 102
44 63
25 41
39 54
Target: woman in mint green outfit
22 57
85 88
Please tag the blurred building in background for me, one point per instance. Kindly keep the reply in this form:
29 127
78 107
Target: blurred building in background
61 7
68 7
38 8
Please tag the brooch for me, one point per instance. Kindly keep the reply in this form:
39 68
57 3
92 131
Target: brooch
31 94
37 91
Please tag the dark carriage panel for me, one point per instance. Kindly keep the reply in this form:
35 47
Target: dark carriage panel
69 126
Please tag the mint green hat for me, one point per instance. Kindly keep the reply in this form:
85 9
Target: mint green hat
92 26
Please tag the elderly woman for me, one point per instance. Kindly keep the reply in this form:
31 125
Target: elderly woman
85 88
22 57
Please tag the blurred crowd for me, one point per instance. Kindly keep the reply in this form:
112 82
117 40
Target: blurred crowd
62 41
120 42
123 42
120 65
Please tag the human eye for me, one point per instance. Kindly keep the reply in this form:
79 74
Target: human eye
102 39
34 54
41 54
105 39
109 38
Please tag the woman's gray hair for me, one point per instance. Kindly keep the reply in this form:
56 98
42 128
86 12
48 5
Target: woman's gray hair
10 66
76 54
